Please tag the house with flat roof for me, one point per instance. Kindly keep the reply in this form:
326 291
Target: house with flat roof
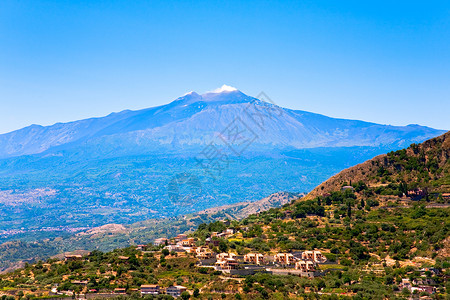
175 248
141 247
284 258
405 284
160 241
69 257
150 289
305 265
307 268
175 290
189 242
203 253
315 256
227 264
180 237
229 231
120 291
347 187
254 258
225 255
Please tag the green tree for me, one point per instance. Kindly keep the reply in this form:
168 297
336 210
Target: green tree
196 292
223 246
185 295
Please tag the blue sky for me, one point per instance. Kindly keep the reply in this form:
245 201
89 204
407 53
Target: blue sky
381 61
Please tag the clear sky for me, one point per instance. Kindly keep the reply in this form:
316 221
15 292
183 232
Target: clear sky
381 61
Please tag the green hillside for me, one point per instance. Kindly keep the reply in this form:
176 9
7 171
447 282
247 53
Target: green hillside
423 166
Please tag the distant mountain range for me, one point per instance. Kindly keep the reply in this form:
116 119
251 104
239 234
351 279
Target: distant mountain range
194 120
195 153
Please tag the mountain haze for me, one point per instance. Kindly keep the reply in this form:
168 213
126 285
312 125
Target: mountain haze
194 120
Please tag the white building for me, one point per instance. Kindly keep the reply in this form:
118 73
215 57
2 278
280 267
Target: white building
176 290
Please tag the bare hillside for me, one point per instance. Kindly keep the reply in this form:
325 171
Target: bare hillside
420 166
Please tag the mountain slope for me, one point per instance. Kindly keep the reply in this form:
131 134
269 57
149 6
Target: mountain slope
196 120
424 166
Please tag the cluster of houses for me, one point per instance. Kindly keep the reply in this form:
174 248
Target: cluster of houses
226 261
421 284
415 287
146 289
301 263
417 193
183 243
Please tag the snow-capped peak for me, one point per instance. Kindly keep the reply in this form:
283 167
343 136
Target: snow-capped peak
223 88
189 93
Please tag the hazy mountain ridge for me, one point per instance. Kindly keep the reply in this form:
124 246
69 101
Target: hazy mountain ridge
195 120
